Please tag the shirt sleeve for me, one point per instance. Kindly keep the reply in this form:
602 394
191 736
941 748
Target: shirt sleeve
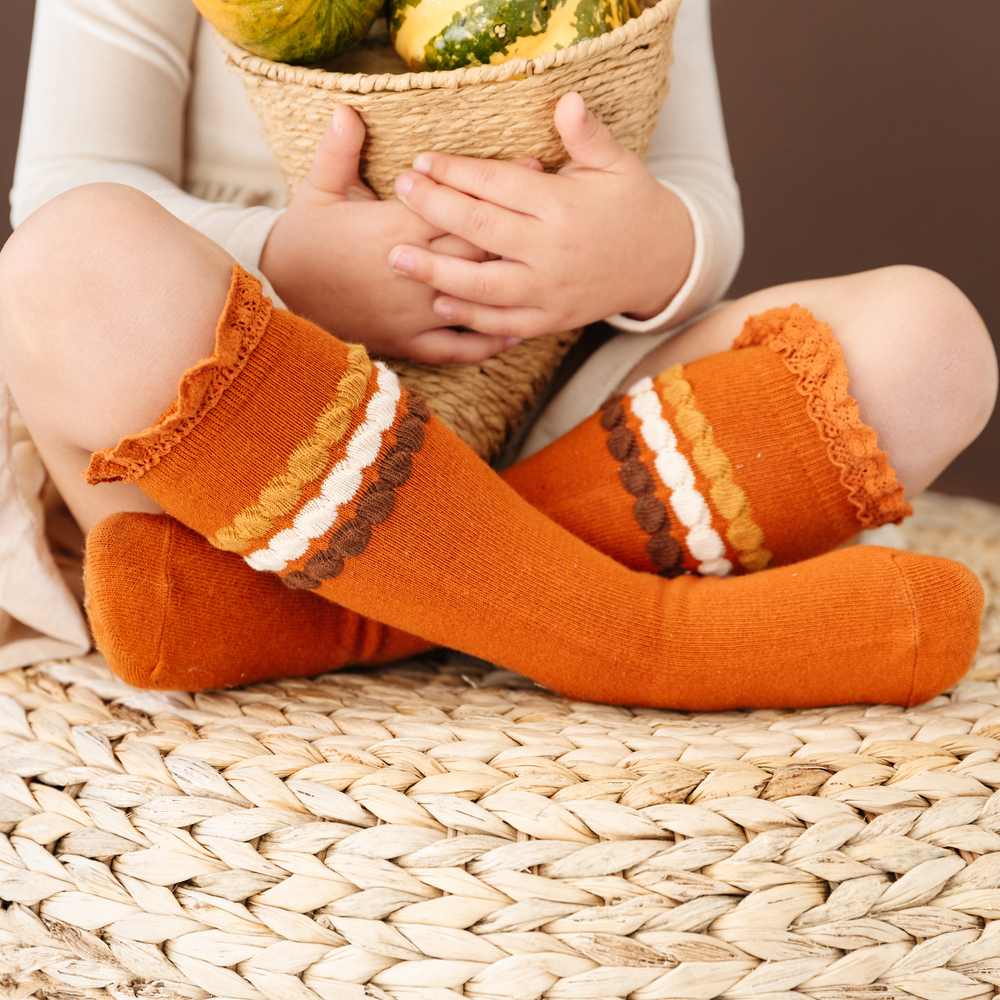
690 155
107 92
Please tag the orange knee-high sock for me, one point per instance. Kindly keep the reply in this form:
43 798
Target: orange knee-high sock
751 458
296 451
171 612
673 476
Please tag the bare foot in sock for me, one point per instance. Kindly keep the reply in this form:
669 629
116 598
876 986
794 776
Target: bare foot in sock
171 612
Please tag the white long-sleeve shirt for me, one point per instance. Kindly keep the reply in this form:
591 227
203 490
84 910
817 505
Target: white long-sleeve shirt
136 92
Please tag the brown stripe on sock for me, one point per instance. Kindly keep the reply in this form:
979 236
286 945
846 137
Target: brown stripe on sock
612 413
351 539
622 444
396 466
410 433
635 477
649 511
376 504
666 551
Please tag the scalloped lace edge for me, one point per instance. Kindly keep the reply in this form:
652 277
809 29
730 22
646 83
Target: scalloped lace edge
239 330
812 354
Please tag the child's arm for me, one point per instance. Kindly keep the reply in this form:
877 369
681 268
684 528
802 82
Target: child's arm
107 100
689 153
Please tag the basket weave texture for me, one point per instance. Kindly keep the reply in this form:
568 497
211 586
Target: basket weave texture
429 832
502 112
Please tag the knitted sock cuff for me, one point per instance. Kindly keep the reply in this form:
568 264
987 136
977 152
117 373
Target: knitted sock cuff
269 440
812 354
240 328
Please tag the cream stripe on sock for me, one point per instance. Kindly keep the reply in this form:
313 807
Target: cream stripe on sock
341 484
702 541
744 534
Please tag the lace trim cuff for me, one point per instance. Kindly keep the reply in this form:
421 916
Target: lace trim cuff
811 352
240 328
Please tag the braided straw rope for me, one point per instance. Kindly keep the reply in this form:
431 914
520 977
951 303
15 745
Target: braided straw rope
502 111
431 832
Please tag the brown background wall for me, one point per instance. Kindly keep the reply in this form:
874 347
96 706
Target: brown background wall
867 132
864 132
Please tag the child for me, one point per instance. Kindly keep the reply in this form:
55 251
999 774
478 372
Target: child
138 93
387 533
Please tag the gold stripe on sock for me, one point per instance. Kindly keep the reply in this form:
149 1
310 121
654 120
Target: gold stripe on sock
743 533
305 464
377 503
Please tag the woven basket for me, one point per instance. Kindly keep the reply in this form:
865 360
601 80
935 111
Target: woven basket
429 832
500 111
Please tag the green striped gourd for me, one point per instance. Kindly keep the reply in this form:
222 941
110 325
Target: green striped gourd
447 34
292 31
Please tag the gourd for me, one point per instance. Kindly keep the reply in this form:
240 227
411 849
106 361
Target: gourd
292 31
448 34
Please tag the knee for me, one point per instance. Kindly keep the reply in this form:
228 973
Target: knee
948 356
74 237
60 268
105 295
98 250
924 368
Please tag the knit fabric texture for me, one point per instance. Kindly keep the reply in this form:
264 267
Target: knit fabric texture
750 458
169 611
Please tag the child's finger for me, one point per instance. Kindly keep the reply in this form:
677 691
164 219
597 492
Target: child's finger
499 321
588 142
482 223
335 167
519 187
455 246
496 282
446 346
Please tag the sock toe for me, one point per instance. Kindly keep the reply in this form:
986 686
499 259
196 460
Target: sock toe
170 612
947 601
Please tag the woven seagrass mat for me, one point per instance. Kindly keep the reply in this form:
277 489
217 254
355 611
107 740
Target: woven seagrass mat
504 112
427 832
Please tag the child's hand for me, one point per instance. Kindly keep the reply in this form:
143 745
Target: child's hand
327 258
602 236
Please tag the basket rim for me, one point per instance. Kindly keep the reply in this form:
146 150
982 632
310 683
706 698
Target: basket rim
591 48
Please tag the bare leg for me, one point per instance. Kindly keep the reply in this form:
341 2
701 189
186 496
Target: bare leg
105 300
922 367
